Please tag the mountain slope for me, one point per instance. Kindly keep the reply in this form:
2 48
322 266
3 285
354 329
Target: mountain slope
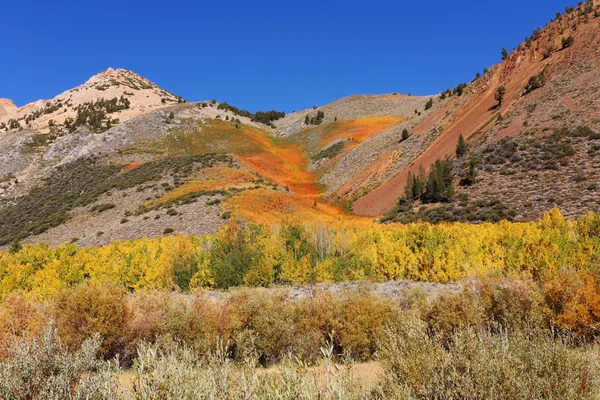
120 158
569 98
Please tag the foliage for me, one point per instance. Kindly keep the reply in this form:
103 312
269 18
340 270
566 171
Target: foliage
567 42
535 82
478 211
264 117
331 151
175 372
316 120
439 185
499 95
429 104
45 369
461 147
88 309
296 254
81 183
94 114
405 134
471 176
474 363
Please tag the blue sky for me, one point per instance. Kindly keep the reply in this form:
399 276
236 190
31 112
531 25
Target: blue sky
261 54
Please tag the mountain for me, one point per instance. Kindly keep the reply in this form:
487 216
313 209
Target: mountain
7 109
530 152
120 158
143 96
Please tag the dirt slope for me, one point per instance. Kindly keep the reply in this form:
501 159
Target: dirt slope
569 97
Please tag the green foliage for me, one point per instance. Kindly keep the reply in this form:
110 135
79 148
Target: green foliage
535 82
504 53
98 208
405 134
316 120
331 151
439 185
567 42
461 147
264 117
429 104
471 175
415 185
94 113
233 254
15 246
499 96
471 212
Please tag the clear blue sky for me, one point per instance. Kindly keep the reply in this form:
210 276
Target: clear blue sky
261 54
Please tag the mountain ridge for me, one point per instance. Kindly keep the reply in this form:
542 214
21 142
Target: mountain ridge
174 166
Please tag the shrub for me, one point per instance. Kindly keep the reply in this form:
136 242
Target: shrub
514 303
318 119
82 311
499 96
151 316
429 104
535 82
45 369
567 42
175 372
98 208
363 318
405 134
21 319
504 53
265 325
461 147
453 310
479 364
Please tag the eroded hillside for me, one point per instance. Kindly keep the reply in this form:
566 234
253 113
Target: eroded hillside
121 158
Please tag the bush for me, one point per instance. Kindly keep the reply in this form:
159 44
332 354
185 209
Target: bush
499 95
405 134
88 309
265 325
21 320
429 104
453 310
535 82
150 317
461 147
480 364
176 372
98 208
45 369
363 318
567 42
